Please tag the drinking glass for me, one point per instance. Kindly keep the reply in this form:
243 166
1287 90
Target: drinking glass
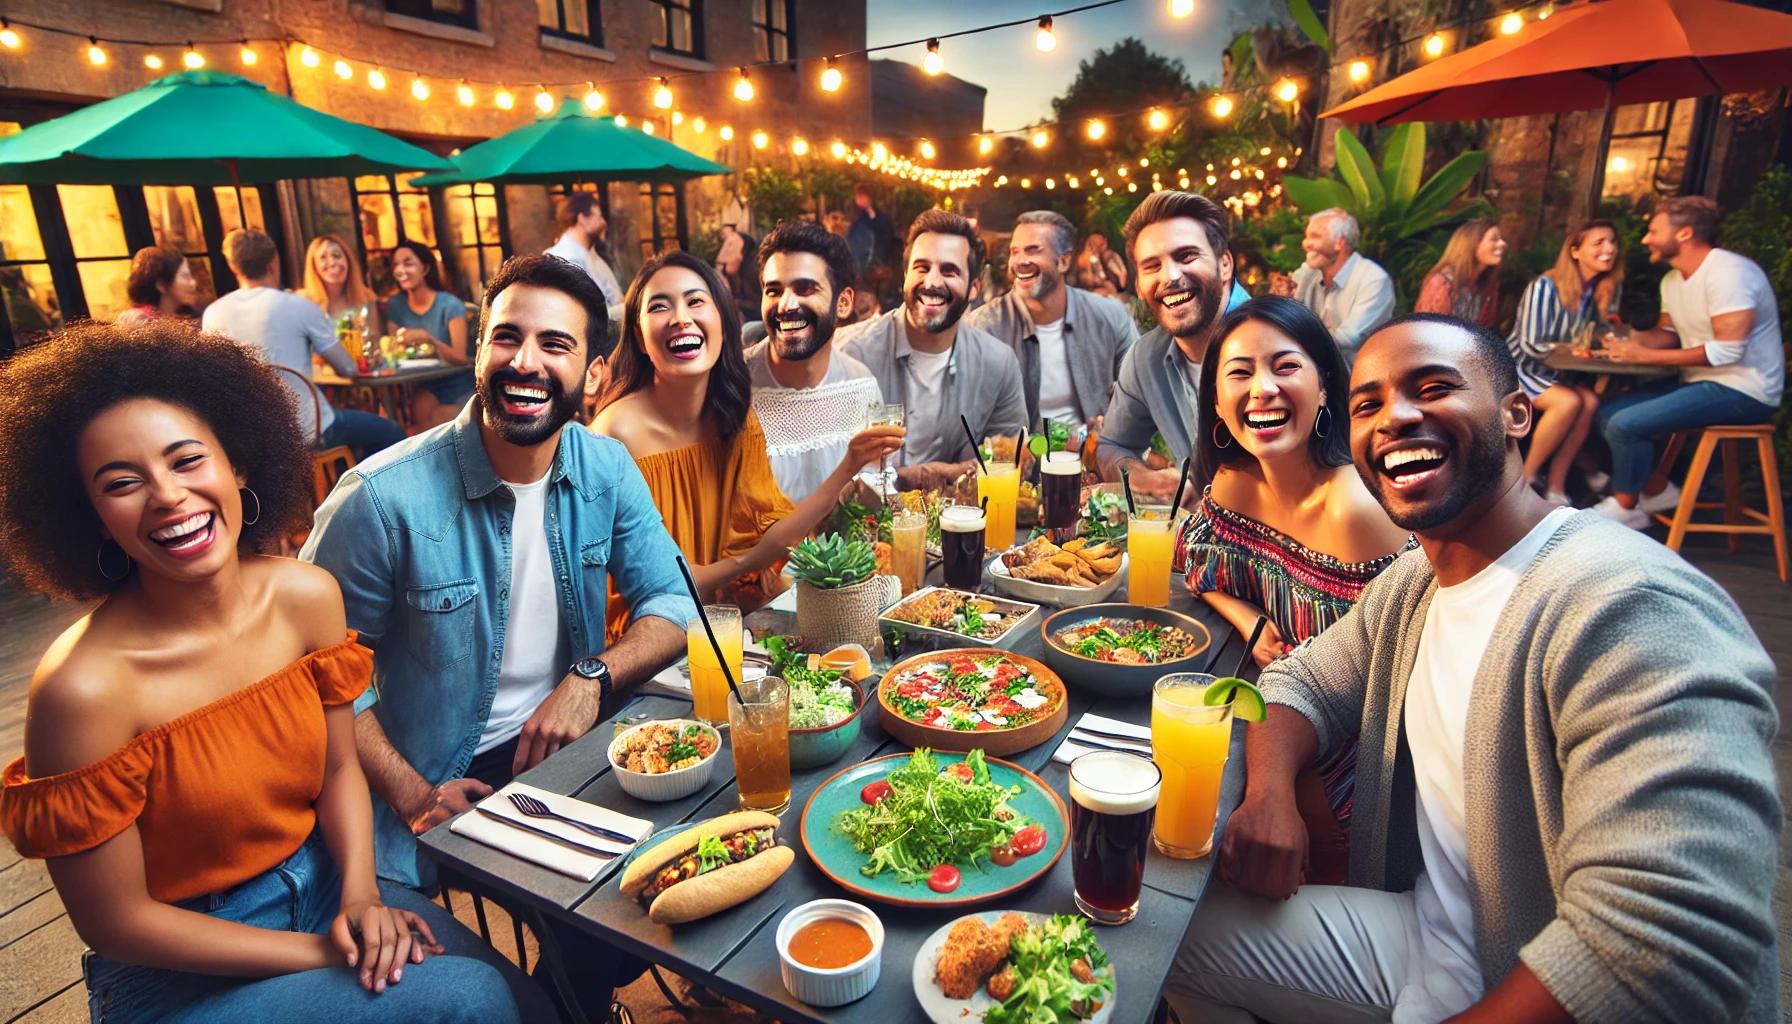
1112 797
908 548
1149 545
884 415
1060 493
709 688
759 729
961 546
1189 743
999 481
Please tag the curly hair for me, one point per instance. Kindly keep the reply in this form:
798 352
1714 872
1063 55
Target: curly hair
51 391
153 268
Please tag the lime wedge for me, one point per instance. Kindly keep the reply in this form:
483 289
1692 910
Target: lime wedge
1246 700
1037 445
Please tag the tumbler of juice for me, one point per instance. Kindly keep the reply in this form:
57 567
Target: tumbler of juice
759 730
709 688
1189 743
1150 543
908 548
1000 483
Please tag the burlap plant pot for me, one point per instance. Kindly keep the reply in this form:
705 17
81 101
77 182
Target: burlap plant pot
844 615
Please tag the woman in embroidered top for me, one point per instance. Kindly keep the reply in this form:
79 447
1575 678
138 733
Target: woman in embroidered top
1286 529
1465 283
1563 306
679 400
190 770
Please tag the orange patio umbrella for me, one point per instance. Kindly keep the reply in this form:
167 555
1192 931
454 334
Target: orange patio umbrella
1602 53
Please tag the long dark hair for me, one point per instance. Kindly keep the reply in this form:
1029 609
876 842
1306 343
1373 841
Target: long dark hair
1302 326
432 268
730 385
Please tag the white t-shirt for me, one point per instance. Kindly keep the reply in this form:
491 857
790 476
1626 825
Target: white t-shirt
1457 627
1729 283
926 394
1057 400
533 663
572 251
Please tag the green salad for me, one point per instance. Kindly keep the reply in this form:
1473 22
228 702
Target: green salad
818 696
1104 518
932 816
1047 989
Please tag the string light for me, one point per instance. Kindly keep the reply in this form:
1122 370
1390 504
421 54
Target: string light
1512 24
677 118
1157 120
309 57
1358 71
1545 11
1041 139
192 58
1144 161
1050 184
933 63
464 93
647 126
761 140
838 149
1096 130
727 133
662 96
831 77
743 88
620 120
419 89
927 151
879 152
95 55
9 37
343 71
1181 8
984 145
1026 183
799 146
376 79
699 125
594 100
247 55
504 99
1434 45
543 102
1221 107
1287 90
1046 40
152 61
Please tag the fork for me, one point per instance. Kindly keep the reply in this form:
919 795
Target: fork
533 808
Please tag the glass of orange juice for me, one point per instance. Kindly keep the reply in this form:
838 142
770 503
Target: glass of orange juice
1150 544
709 688
908 548
1000 483
1189 743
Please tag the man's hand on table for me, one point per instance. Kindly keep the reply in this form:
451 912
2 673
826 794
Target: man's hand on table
1265 849
568 713
444 802
1153 483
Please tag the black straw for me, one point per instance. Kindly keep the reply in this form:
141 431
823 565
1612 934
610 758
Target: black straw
984 504
690 584
976 449
1126 485
1251 644
1181 485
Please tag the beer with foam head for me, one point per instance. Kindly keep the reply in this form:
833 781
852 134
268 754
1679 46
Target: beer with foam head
961 545
1113 798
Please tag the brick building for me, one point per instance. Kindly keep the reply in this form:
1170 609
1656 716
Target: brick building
65 250
909 103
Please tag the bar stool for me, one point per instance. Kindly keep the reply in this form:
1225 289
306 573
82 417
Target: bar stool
1738 519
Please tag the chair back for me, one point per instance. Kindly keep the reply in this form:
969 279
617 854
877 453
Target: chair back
327 464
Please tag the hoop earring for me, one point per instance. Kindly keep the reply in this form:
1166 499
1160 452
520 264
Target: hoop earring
1219 428
1325 418
251 521
99 559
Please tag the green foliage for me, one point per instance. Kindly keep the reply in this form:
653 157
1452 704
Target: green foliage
831 562
1125 76
1271 240
1393 202
774 195
1309 23
1762 231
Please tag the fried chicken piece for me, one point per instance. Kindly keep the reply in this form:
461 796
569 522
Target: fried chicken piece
1007 927
1044 572
1032 551
1001 984
970 952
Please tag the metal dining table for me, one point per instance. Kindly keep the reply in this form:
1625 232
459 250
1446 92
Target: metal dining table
733 952
1563 359
386 392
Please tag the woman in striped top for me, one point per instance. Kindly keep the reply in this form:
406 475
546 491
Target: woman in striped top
1580 291
1465 283
1287 528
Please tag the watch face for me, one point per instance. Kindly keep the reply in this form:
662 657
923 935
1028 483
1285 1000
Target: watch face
590 668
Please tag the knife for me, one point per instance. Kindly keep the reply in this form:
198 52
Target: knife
545 834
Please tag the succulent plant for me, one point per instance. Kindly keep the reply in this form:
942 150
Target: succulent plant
830 562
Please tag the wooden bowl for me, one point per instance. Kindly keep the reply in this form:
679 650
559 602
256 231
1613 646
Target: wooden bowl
994 742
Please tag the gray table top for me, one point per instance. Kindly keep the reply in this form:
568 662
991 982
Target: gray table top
733 952
1564 359
415 375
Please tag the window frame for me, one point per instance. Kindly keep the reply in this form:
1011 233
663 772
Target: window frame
691 9
593 16
423 10
765 30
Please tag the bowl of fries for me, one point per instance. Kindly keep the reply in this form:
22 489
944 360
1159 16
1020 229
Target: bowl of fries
1076 573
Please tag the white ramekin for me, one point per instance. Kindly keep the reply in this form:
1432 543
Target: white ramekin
666 785
835 986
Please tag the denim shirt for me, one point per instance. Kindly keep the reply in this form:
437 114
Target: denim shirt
418 537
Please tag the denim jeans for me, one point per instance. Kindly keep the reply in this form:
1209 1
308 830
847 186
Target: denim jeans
362 431
1631 420
470 983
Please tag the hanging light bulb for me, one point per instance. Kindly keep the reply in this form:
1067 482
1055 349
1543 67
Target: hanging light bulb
95 55
1041 139
309 57
831 77
152 61
662 96
699 125
419 89
1434 45
761 140
878 153
1026 183
743 87
1212 180
1512 24
594 100
1095 129
648 127
343 71
464 93
504 99
984 145
1045 39
247 55
543 102
192 58
677 118
620 120
9 37
727 133
933 63
376 79
1157 120
1358 71
1050 184
838 149
1181 8
799 146
1221 107
1545 11
927 150
1121 171
1287 90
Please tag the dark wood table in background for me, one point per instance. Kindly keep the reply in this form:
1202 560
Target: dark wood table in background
733 952
1563 360
387 394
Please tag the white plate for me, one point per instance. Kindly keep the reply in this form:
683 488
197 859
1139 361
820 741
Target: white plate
1052 593
419 364
942 1010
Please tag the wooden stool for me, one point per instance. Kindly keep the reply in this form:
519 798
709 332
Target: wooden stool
1738 520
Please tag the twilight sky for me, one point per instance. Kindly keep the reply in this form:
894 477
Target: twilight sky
1020 79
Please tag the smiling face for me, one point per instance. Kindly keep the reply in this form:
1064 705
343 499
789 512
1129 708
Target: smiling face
183 290
937 285
1034 263
1429 433
1268 391
1321 248
1492 248
163 488
1663 239
407 270
1181 278
798 305
331 264
1596 253
680 324
531 363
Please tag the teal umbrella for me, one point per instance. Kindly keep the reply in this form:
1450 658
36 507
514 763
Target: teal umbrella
574 144
201 128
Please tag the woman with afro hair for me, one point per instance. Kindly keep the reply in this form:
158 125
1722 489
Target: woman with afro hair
190 771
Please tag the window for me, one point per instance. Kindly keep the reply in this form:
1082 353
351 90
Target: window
174 219
476 220
390 209
102 257
680 27
571 19
1648 150
26 287
464 13
661 206
774 29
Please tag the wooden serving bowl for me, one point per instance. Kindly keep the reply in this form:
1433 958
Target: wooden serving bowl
994 742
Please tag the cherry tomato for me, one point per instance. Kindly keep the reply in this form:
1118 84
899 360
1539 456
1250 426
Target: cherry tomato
962 770
874 792
1002 855
1029 840
943 878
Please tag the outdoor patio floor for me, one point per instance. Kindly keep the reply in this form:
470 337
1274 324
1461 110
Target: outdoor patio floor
40 974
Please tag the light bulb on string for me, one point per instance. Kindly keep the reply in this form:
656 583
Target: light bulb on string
699 125
504 99
933 63
1041 139
1121 171
247 55
419 89
1157 120
1096 129
309 57
647 127
152 61
1358 71
1182 182
743 87
594 99
1221 107
1050 184
662 95
1045 39
9 36
1144 161
761 140
984 145
1545 11
464 94
1281 162
799 146
95 54
727 133
1026 183
1263 152
543 101
879 153
342 70
927 151
620 120
1132 186
831 78
1434 45
376 79
1211 180
1287 90
677 118
838 149
192 58
1108 191
1512 24
1181 8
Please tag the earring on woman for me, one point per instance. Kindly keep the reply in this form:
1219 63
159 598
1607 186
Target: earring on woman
256 518
1322 423
1219 426
99 559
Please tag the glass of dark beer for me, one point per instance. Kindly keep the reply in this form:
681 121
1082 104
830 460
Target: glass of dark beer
1060 493
961 546
1113 797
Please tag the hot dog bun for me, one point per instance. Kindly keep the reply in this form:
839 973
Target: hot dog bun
648 862
722 888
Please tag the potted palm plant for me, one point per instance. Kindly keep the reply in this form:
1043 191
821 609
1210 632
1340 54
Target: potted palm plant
838 591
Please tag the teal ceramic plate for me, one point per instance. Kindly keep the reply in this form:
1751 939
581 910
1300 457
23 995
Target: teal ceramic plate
833 853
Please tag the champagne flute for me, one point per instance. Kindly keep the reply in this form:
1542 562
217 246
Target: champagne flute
884 415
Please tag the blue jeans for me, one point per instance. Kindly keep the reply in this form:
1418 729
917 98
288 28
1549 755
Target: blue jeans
471 983
362 431
1631 420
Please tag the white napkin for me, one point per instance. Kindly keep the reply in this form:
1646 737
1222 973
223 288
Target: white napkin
1070 749
482 828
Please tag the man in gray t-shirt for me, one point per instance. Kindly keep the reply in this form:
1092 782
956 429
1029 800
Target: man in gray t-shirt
288 329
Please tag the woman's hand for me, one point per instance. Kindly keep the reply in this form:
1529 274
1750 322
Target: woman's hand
1270 646
376 939
871 444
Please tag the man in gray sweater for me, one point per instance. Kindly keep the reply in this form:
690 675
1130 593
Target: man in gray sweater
1565 806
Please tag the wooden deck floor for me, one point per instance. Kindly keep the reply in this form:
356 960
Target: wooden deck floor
40 953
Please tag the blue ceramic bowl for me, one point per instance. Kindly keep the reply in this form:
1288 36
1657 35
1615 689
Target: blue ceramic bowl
812 748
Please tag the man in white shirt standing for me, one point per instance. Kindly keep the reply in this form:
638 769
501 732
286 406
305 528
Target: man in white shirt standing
582 228
1720 324
1349 291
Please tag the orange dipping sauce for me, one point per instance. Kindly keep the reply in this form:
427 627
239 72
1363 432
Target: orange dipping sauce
829 943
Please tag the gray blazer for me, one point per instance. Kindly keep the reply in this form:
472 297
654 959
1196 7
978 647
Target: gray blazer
1098 332
982 383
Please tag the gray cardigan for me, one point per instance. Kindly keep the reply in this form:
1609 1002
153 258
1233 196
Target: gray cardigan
1622 815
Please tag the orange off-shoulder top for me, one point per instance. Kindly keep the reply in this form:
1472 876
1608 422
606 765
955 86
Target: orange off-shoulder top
219 795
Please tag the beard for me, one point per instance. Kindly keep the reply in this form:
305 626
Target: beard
821 331
1208 304
1482 475
1044 284
955 307
527 431
1667 251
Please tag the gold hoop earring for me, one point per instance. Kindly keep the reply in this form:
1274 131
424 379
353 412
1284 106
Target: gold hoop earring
99 559
1219 427
247 520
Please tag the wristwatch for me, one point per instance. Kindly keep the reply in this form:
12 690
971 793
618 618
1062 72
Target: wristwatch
593 668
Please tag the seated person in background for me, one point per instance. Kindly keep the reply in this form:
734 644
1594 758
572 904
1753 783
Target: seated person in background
809 399
422 314
333 280
190 770
1720 321
1565 798
1178 242
1069 342
1465 283
288 330
1286 529
1560 307
1099 269
160 284
680 402
932 363
582 227
1349 291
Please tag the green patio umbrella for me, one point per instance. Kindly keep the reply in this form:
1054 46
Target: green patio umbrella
574 144
201 128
